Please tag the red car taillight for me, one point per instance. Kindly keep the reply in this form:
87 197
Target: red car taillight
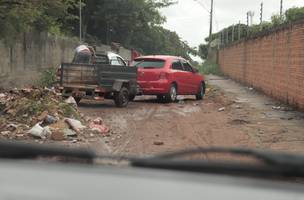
163 75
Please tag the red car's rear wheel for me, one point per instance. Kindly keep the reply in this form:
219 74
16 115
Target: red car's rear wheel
172 95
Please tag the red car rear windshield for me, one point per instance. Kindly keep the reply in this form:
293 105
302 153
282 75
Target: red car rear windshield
149 63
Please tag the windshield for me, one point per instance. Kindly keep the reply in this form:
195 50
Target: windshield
165 76
149 63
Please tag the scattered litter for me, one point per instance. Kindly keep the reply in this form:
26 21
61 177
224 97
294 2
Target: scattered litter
50 119
43 116
282 108
221 109
97 125
40 132
238 107
11 127
75 125
276 107
5 133
71 101
158 143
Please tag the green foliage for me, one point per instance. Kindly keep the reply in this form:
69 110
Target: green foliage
47 78
277 20
133 23
18 16
69 111
203 51
210 68
226 35
294 14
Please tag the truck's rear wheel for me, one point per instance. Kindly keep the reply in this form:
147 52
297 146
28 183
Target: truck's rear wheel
121 98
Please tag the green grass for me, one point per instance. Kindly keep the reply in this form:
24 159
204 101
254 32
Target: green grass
47 78
210 68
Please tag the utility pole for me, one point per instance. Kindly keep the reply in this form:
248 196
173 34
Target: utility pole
281 8
232 36
239 33
227 37
211 23
261 14
80 21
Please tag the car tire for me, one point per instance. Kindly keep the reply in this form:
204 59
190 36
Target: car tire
121 98
132 97
201 93
160 98
172 95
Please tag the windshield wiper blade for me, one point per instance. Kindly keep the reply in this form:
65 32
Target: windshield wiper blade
19 150
267 157
272 163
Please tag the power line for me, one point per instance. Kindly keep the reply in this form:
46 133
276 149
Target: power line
202 4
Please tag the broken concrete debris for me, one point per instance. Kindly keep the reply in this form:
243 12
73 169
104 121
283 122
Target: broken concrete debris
74 124
221 109
69 133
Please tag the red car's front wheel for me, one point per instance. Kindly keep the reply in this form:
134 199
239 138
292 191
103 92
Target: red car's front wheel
201 93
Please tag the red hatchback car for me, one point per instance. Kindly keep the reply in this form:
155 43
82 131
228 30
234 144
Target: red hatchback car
168 76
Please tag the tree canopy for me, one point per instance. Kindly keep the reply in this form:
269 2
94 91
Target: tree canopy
133 23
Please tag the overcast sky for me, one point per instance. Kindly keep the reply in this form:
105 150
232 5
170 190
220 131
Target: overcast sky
191 20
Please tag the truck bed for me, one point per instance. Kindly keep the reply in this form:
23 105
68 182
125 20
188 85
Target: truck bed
86 76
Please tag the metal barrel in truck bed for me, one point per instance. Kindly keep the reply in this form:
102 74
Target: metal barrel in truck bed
102 80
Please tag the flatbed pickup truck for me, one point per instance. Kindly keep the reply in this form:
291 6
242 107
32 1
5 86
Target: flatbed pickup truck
98 81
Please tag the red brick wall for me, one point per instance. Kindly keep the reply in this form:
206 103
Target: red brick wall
272 63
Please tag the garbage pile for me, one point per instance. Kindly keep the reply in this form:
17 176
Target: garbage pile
41 114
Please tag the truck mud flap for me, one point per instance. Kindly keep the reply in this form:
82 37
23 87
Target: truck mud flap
117 85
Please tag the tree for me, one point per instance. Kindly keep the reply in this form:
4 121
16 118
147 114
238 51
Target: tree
17 16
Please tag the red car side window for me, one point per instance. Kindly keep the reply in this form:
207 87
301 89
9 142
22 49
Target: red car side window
177 65
187 67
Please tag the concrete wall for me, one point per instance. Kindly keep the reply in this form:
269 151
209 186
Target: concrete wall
33 53
273 63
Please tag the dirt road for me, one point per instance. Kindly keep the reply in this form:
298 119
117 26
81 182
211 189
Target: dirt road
247 119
